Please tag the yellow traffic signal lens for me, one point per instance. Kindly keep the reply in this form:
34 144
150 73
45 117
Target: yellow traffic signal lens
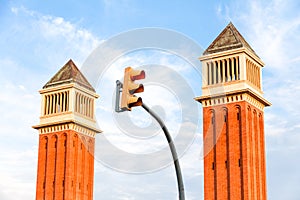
135 101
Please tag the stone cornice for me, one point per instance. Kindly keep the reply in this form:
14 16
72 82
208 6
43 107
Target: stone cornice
67 125
234 96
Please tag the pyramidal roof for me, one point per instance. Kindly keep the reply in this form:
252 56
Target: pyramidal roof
69 73
229 38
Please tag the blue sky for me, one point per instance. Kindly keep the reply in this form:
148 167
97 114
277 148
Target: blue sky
37 38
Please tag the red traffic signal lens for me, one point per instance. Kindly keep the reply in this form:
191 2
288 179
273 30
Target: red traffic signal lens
137 75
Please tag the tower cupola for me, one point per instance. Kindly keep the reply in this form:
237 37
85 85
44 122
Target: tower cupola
68 97
229 65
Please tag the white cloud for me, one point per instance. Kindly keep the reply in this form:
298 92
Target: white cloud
272 30
18 159
56 27
37 45
17 173
52 38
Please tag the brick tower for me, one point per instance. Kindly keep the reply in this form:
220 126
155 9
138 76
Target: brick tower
67 131
233 120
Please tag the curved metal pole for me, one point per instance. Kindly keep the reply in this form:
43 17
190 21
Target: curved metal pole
173 150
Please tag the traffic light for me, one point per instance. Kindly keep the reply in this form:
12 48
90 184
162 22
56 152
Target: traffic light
129 100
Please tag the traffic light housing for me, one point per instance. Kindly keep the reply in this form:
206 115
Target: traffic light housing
129 100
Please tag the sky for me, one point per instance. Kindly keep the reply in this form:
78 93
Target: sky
39 37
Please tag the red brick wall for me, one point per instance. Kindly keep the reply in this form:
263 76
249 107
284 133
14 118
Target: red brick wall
234 168
65 166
